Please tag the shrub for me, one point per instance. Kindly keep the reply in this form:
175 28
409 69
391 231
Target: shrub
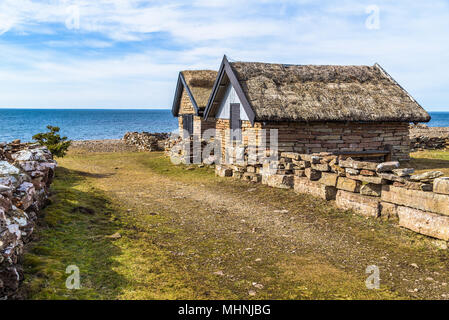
52 140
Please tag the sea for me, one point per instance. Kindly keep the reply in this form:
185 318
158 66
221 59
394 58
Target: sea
98 124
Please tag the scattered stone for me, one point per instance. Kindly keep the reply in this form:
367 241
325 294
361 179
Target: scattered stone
219 273
252 293
404 172
258 285
114 236
387 166
414 265
427 176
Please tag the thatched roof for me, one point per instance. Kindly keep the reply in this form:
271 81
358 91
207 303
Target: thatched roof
198 84
278 92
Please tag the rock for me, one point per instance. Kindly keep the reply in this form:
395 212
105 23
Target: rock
348 184
404 172
441 185
323 167
392 177
426 223
360 165
7 169
305 186
368 179
387 166
371 189
223 171
388 211
312 174
114 236
328 179
425 201
280 181
427 176
363 205
299 172
367 173
291 155
352 172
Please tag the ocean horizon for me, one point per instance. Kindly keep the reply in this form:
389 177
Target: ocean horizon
99 124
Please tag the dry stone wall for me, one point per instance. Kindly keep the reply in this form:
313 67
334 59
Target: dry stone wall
145 141
419 202
26 173
423 137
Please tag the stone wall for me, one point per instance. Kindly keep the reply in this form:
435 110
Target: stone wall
419 202
328 136
26 172
423 137
145 141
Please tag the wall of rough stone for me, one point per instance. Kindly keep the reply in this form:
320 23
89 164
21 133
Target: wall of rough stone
327 137
26 173
145 141
423 137
419 202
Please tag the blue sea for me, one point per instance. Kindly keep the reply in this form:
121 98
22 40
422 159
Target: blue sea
89 124
83 124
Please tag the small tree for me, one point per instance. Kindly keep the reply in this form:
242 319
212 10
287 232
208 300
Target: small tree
52 140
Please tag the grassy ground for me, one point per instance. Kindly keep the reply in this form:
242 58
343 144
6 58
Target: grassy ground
186 234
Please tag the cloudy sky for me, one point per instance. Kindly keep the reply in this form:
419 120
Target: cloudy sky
127 53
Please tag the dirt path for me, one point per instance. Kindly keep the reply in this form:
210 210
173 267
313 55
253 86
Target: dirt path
229 239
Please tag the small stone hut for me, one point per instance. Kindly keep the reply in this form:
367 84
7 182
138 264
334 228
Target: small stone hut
192 93
316 108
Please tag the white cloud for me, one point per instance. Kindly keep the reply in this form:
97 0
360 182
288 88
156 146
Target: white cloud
411 44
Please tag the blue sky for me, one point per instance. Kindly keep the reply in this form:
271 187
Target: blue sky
127 53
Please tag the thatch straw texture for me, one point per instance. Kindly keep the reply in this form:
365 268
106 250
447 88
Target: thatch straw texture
279 92
200 83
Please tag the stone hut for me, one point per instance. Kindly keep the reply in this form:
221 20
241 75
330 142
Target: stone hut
354 110
192 93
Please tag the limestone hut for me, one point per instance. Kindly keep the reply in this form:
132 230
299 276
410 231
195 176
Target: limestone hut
192 93
338 109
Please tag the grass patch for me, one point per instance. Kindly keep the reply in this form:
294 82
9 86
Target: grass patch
67 236
430 160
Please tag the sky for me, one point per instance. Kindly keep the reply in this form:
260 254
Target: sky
127 53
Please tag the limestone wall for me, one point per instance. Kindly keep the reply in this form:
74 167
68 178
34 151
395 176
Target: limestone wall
145 141
26 172
423 137
419 202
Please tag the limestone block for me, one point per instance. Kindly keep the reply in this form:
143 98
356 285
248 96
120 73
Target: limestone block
280 181
425 201
441 185
426 223
304 185
348 184
328 179
363 205
371 189
312 174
